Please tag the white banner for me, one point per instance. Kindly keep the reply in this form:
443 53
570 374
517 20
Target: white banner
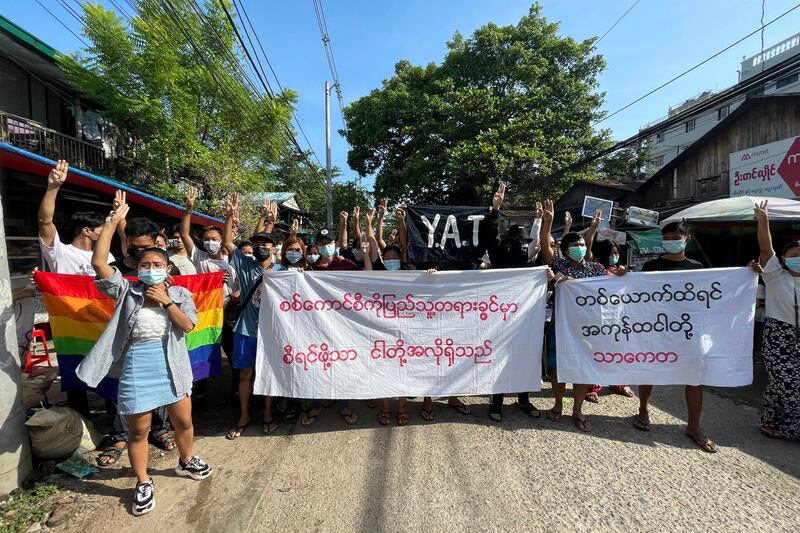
658 328
359 335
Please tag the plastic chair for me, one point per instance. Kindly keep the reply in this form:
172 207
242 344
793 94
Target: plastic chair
33 358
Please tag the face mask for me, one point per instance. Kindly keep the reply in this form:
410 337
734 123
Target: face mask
613 260
391 264
133 252
327 250
674 247
313 258
212 247
359 255
152 276
173 243
792 263
261 254
576 253
294 256
249 255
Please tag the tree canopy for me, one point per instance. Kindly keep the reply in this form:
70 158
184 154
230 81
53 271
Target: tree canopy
512 103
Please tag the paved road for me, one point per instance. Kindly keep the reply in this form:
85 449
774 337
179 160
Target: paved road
463 473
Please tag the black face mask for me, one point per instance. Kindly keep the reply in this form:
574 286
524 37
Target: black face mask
133 252
261 253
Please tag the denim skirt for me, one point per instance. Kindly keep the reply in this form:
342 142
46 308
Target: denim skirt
146 382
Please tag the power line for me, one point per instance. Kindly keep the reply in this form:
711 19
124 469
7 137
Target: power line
617 22
62 23
703 62
326 41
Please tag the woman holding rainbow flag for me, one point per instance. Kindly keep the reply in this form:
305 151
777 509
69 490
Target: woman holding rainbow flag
144 344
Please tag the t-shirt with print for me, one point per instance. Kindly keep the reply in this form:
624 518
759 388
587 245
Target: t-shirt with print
67 259
584 269
249 275
665 265
204 263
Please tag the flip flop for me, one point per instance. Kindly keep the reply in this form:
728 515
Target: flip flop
706 444
623 391
592 397
554 415
641 424
495 417
402 419
384 418
237 431
308 418
269 426
349 416
529 409
584 425
460 407
426 414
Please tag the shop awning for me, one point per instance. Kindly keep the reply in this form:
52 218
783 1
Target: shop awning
646 242
25 161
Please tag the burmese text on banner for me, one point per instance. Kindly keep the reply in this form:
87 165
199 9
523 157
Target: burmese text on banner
385 334
658 328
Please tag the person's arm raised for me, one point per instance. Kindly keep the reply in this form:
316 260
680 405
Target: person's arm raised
373 242
47 207
379 230
186 221
366 252
544 235
764 235
402 232
341 238
103 245
592 233
230 213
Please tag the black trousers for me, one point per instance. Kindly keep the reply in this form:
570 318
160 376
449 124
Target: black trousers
497 401
119 423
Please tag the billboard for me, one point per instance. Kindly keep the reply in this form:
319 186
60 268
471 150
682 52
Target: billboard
768 170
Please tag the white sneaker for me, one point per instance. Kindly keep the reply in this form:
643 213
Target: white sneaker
194 468
144 498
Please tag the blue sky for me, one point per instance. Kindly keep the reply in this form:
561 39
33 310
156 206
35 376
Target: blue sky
655 41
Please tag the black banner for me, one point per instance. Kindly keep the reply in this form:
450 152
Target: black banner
441 234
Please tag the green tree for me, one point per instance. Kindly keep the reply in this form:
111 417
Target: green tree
511 103
170 80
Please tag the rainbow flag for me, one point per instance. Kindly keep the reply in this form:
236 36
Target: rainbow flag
79 314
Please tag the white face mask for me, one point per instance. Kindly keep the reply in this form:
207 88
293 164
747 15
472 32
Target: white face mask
212 247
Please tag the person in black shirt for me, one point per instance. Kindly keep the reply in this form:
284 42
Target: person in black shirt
141 234
676 235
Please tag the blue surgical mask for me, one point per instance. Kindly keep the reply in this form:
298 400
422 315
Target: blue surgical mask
294 256
313 258
327 250
391 264
153 276
613 260
674 246
576 253
792 263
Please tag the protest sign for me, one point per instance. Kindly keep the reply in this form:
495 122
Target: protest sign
658 328
437 234
592 204
380 335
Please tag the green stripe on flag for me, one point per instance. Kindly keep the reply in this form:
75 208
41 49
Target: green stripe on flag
203 337
73 345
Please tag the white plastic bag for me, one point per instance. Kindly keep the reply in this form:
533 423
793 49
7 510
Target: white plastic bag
59 432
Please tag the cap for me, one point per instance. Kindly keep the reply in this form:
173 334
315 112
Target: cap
325 233
263 236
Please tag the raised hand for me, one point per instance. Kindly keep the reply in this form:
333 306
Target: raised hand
232 209
295 227
119 199
365 247
191 197
343 218
548 210
272 216
58 175
567 218
760 211
499 195
598 216
369 217
356 214
118 215
382 207
537 211
400 215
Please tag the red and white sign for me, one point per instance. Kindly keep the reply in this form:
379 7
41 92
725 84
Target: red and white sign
768 170
357 335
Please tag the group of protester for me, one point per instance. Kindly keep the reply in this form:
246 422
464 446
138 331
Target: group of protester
145 336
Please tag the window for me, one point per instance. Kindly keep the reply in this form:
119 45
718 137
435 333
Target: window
690 125
659 137
723 111
714 184
658 161
787 80
708 187
702 186
14 96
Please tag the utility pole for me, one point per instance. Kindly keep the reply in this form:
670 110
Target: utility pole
328 152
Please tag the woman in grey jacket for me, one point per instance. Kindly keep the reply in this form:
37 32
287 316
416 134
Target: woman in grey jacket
143 346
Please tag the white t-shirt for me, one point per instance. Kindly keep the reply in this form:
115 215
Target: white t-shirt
184 265
67 259
204 263
781 288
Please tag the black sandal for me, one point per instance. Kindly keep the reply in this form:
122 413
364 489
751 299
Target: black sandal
495 416
164 441
237 431
113 452
269 426
528 408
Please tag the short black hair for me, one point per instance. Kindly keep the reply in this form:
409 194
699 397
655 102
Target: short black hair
393 248
175 228
86 219
602 251
678 226
569 238
244 243
151 250
140 227
786 247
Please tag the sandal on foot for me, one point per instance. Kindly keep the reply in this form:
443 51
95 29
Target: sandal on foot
642 424
528 408
426 414
384 417
402 418
164 441
372 404
771 432
308 418
349 416
495 416
623 390
461 407
554 415
269 426
583 424
706 444
237 431
112 452
592 397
